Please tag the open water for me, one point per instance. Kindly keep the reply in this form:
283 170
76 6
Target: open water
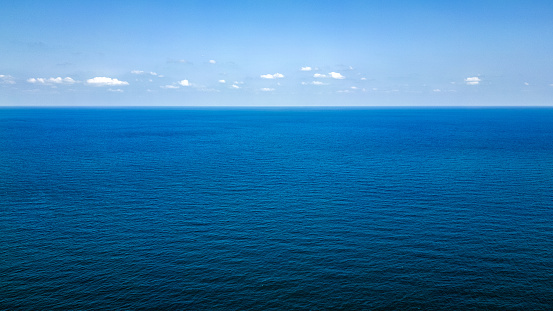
284 209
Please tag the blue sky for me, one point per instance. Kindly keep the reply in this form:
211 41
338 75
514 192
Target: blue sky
337 53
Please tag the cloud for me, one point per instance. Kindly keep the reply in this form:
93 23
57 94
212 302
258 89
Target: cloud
105 81
319 75
169 86
234 86
222 81
336 75
272 76
306 69
267 89
141 72
179 61
58 80
314 83
6 79
212 61
116 90
184 82
472 80
364 79
526 83
436 90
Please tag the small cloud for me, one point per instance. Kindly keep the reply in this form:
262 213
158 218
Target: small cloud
105 81
179 61
141 72
526 83
306 68
363 79
116 90
336 75
319 75
205 89
37 80
272 76
184 82
353 87
436 90
267 89
222 81
170 86
472 80
6 79
212 61
314 83
58 80
344 91
234 86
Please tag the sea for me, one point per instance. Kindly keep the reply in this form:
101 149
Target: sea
276 208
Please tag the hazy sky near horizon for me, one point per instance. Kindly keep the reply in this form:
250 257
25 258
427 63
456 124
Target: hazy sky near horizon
160 53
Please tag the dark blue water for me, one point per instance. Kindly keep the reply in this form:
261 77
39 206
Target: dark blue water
237 209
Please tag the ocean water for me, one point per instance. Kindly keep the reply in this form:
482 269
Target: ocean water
283 209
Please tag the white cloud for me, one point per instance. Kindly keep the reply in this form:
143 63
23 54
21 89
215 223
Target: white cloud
222 81
105 81
353 87
319 75
472 80
116 90
58 80
306 69
212 61
436 90
169 86
140 72
267 89
184 83
526 83
314 83
272 76
336 75
234 86
6 79
344 91
364 79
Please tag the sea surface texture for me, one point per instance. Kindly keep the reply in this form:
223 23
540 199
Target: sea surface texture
276 209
